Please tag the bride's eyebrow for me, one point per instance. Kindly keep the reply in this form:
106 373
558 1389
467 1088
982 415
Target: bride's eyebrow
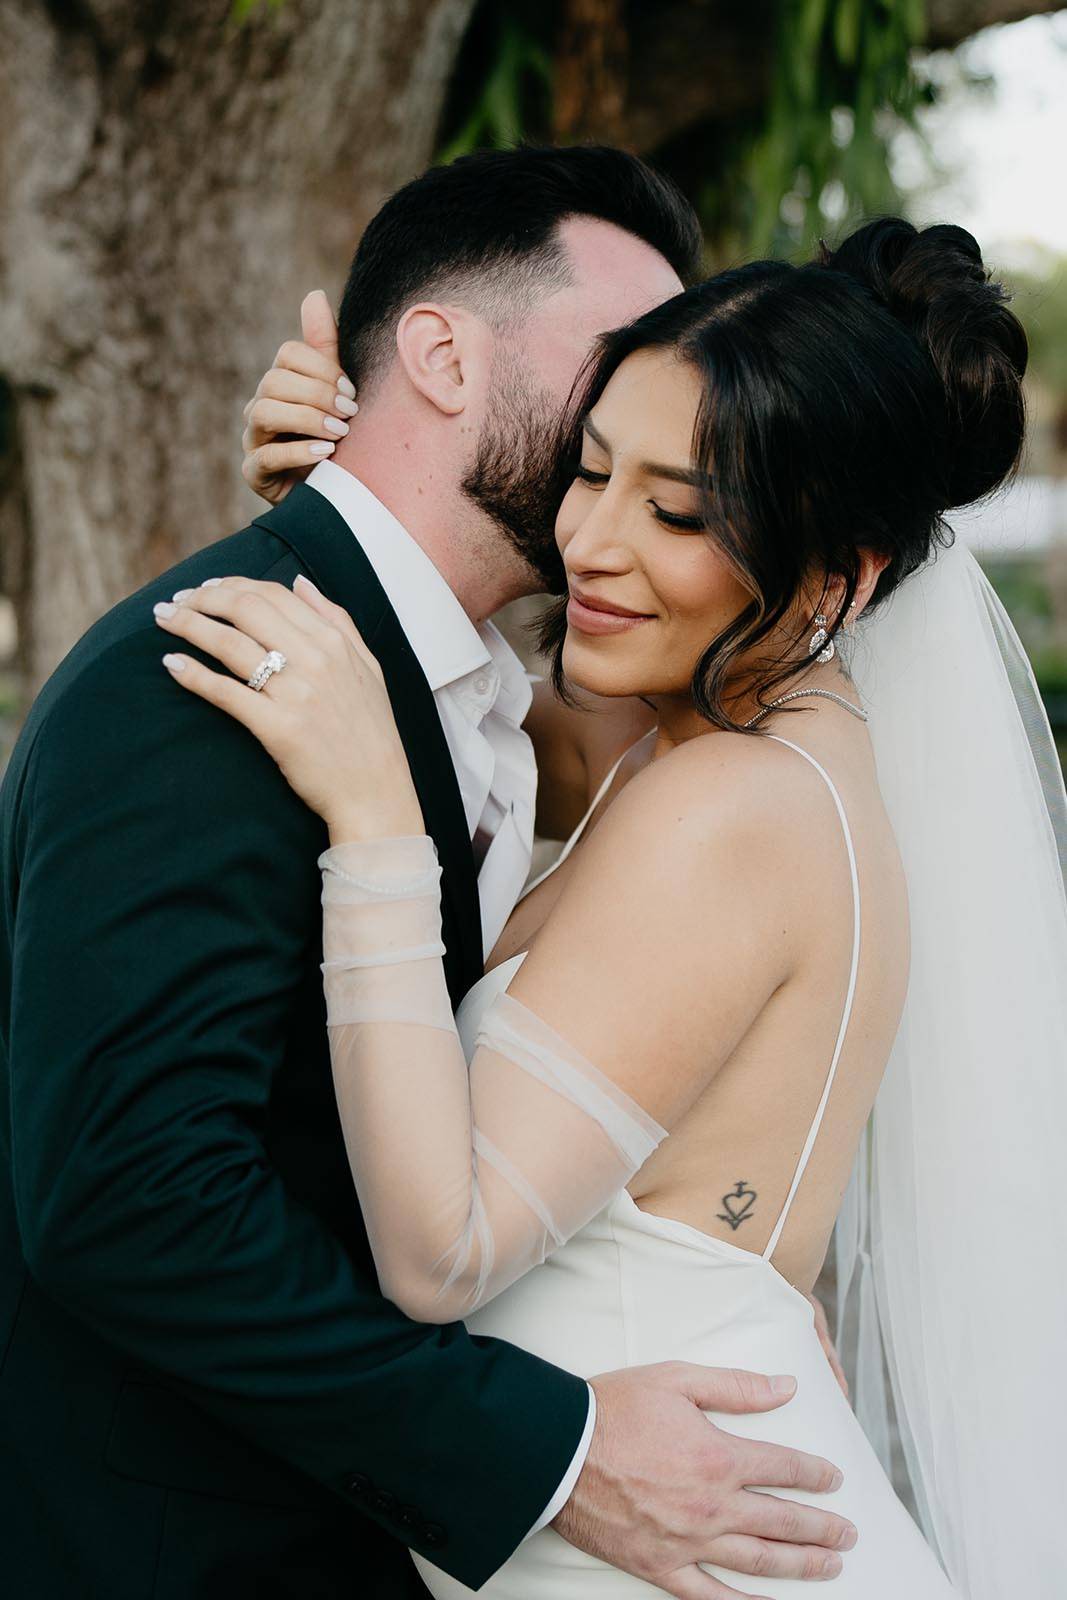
589 427
691 476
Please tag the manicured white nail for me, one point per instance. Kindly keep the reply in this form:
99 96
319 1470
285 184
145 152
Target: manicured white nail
345 406
211 583
164 609
321 447
174 663
306 582
183 594
335 425
346 386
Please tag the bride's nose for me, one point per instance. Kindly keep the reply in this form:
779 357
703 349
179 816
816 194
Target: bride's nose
600 542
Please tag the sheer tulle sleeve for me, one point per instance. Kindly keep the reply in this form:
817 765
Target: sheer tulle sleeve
468 1175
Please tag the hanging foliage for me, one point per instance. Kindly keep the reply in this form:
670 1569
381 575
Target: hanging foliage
502 85
812 148
842 82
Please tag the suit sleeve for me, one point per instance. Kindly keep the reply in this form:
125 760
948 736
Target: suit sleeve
167 896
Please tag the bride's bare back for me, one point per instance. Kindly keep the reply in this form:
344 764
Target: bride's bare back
728 1164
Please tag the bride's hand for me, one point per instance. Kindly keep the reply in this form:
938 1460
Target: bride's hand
302 406
325 717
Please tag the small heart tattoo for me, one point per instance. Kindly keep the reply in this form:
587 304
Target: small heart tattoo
738 1203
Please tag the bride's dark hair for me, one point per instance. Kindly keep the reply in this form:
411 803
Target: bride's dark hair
847 404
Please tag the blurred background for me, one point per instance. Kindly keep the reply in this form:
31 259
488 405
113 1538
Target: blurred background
174 177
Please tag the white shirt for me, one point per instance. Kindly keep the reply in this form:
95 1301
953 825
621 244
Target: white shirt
482 693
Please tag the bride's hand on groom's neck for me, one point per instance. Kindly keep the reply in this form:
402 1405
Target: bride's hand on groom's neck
663 1488
303 405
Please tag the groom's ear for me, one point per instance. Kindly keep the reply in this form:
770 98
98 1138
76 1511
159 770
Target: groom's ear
442 351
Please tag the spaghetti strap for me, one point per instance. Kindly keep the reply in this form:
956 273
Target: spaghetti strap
580 829
813 1132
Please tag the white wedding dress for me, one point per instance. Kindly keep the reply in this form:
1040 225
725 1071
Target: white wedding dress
630 1288
493 1169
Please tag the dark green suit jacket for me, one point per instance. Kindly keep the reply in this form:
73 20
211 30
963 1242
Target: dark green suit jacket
202 1391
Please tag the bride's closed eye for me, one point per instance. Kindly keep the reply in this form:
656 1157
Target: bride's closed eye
670 519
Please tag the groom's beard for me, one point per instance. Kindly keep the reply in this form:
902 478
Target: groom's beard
516 477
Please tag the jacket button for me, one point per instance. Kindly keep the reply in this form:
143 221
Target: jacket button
360 1484
433 1535
381 1500
409 1516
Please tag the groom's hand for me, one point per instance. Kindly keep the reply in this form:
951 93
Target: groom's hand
663 1488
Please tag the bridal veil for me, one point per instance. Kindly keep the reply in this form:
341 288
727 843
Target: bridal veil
952 1243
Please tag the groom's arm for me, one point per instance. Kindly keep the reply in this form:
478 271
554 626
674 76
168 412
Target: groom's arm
167 896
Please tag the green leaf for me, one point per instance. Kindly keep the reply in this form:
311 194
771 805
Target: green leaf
245 9
848 21
914 19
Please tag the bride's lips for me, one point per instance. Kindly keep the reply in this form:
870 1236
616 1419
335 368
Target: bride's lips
590 615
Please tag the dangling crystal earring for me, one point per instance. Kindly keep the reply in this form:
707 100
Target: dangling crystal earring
821 645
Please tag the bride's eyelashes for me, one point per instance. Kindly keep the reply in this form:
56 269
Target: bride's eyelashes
670 519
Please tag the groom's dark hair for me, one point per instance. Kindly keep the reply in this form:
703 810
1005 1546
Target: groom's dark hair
485 229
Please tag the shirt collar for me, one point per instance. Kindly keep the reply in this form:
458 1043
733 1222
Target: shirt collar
516 693
443 637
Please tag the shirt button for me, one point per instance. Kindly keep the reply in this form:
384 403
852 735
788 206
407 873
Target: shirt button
482 683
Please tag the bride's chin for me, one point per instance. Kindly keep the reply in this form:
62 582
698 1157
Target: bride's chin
587 667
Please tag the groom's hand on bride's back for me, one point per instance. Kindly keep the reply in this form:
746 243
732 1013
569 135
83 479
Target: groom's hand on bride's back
304 404
663 1488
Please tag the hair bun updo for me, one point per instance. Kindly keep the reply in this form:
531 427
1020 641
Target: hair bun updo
935 282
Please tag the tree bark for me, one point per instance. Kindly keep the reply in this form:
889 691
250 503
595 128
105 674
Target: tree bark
171 184
951 21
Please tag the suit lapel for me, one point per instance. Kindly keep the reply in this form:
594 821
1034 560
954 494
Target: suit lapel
327 549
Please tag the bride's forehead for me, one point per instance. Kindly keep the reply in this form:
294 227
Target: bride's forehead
650 403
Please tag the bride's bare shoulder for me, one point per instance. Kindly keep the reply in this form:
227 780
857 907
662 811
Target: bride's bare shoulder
713 823
731 783
723 815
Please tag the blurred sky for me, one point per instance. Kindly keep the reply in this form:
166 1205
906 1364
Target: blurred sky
994 161
1002 148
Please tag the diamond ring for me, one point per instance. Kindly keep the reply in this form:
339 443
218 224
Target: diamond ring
272 663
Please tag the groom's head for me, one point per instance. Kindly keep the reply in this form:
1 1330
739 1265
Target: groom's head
476 294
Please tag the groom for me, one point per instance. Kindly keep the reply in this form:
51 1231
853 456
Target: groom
202 1392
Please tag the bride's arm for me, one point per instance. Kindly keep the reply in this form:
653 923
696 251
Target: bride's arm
629 1002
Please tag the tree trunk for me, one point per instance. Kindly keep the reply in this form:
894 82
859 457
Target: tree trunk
171 184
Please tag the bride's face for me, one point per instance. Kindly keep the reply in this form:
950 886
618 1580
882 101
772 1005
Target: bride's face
649 590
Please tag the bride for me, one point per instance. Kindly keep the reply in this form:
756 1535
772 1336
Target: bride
633 1143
